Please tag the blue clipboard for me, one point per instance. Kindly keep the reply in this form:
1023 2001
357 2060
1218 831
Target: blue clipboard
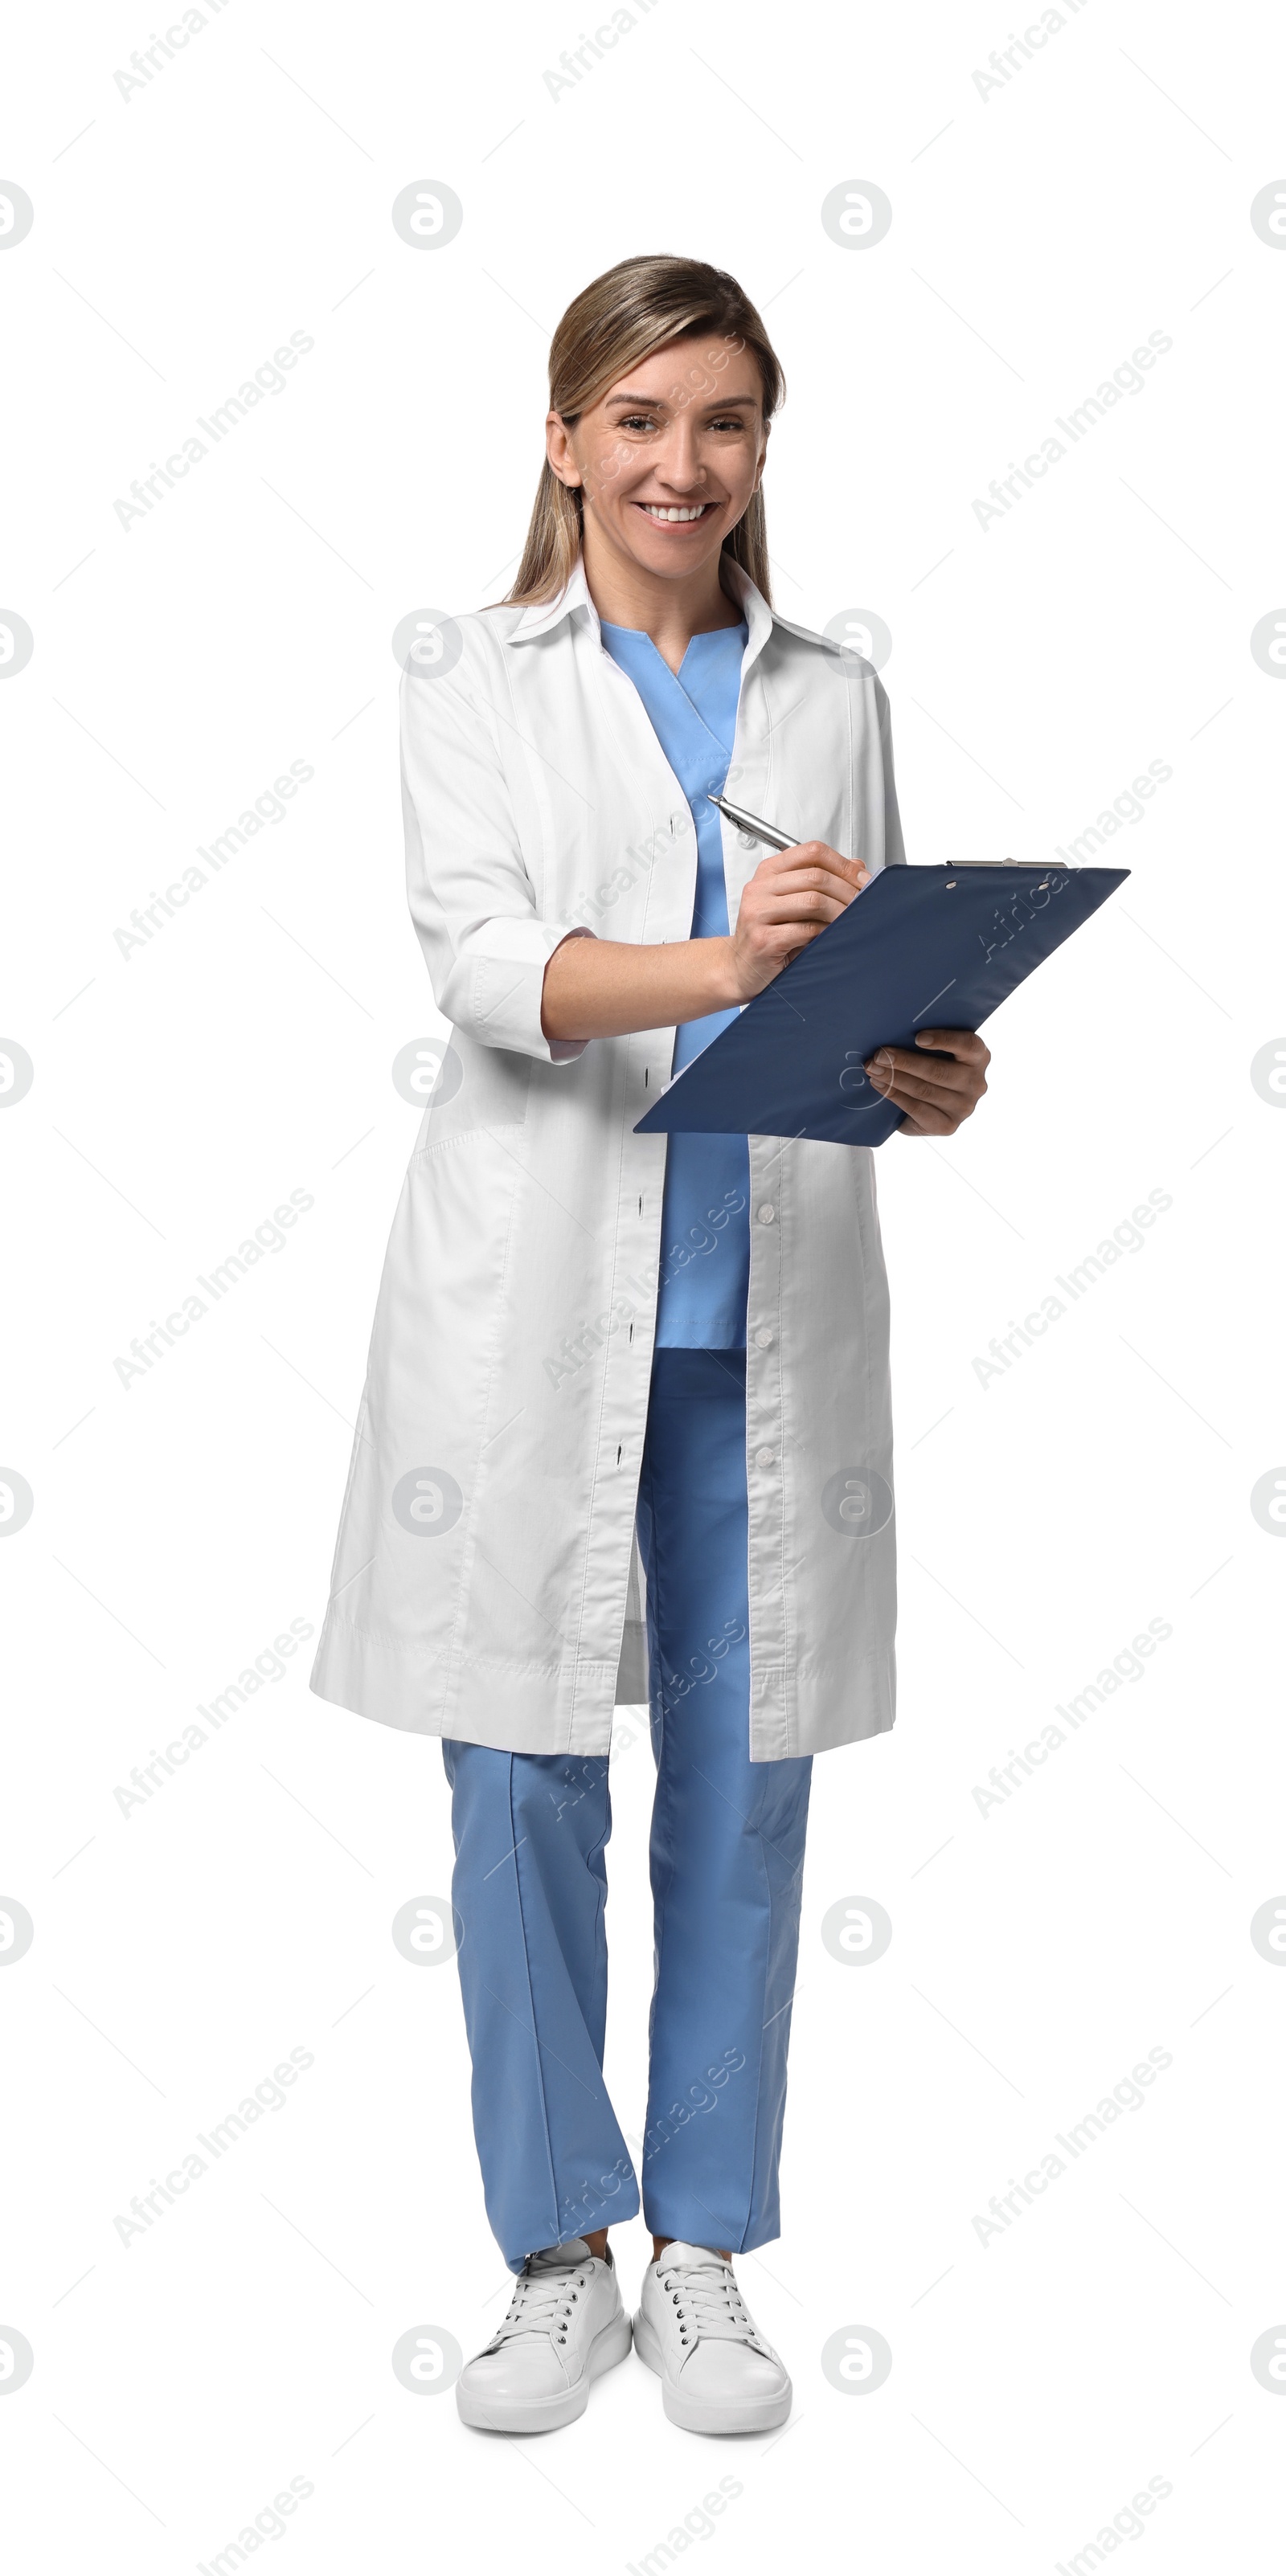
920 947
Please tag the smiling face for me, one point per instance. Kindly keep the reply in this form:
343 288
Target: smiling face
670 456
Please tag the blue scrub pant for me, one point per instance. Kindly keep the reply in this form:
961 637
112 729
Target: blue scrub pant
727 1855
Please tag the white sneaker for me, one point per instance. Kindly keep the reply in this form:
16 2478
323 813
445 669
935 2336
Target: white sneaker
718 2374
566 2325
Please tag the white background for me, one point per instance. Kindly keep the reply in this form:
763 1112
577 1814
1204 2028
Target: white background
1040 1949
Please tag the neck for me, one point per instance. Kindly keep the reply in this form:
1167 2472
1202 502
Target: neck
672 611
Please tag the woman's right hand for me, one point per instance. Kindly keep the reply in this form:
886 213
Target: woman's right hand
598 988
792 895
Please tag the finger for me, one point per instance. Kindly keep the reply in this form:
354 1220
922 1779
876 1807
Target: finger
926 1118
818 851
954 1106
811 868
944 1079
904 1094
813 904
799 898
766 920
962 1043
937 1113
798 891
812 854
926 1124
934 1067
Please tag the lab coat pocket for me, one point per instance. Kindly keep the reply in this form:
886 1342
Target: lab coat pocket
478 1086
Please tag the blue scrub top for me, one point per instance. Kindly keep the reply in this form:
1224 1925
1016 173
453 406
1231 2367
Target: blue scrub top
705 1215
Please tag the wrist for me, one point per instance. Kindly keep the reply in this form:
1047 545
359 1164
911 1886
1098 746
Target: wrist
720 979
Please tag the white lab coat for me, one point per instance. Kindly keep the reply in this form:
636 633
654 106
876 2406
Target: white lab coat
485 1558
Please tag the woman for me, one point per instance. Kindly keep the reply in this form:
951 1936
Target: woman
602 1369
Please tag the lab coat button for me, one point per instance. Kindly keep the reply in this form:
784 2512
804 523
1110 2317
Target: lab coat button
747 841
766 1214
763 1337
765 1457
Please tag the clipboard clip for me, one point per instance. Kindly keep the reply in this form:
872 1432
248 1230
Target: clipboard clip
953 864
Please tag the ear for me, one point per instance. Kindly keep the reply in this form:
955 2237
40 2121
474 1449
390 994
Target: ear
558 449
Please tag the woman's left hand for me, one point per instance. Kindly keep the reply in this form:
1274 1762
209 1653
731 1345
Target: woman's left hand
937 1094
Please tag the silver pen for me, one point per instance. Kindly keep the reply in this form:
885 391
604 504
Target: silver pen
755 825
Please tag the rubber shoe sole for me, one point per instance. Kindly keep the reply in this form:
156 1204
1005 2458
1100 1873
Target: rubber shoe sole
706 2415
546 2414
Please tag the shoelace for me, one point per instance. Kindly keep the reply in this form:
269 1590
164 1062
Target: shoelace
709 2303
541 2305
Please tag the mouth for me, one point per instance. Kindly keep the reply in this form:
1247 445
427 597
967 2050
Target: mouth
663 515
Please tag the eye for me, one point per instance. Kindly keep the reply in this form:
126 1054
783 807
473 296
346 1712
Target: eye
636 420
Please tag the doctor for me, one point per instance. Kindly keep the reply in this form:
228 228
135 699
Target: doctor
603 1368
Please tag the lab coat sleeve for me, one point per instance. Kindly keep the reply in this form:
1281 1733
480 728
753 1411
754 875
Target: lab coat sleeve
894 852
472 900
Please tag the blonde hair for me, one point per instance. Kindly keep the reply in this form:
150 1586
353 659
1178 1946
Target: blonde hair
623 316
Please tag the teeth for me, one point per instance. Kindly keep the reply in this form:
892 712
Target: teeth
655 512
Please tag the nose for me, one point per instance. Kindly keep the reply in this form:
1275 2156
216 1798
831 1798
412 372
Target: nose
679 466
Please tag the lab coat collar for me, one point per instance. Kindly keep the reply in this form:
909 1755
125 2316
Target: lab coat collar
543 615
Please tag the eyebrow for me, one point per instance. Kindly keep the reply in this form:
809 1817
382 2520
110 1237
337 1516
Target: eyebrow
658 402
